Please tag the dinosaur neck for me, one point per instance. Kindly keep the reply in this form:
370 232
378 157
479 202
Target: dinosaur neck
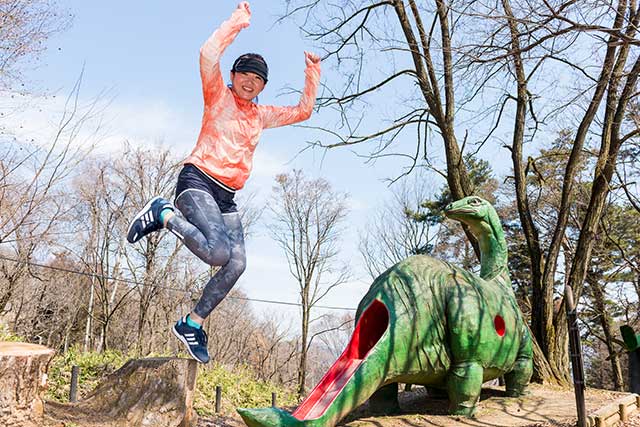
493 250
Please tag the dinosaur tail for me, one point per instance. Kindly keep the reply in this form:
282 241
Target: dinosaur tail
268 417
342 388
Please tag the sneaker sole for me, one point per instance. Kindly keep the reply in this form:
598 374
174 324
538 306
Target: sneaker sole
184 341
138 216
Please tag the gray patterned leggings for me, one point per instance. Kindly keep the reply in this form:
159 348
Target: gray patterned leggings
215 238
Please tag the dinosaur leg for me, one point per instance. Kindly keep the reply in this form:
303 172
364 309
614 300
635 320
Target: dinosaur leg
464 383
517 380
385 400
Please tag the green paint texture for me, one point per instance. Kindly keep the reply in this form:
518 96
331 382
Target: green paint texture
447 329
631 340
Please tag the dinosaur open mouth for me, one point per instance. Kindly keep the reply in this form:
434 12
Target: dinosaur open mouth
368 331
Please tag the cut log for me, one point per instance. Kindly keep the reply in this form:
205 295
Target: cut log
154 392
23 379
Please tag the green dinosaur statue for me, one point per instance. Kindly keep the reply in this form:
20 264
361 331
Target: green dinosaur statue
425 321
631 340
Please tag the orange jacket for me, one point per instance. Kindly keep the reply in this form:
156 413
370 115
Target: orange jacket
231 126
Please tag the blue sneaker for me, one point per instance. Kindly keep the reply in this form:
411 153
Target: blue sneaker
194 338
148 219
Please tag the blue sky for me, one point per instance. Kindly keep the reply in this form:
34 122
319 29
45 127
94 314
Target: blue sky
145 55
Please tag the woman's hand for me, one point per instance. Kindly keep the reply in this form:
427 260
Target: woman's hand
246 13
245 6
311 58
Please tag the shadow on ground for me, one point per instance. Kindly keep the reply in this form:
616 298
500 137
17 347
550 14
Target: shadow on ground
543 406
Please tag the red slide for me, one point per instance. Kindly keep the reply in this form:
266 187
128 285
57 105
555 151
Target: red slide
371 326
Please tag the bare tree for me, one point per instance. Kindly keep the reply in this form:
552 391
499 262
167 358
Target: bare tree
307 218
32 188
25 26
478 65
43 316
139 175
335 332
355 30
98 218
398 228
330 336
276 353
565 25
600 311
610 283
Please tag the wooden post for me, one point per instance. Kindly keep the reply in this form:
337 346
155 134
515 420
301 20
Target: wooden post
273 400
624 415
73 388
575 349
218 398
620 409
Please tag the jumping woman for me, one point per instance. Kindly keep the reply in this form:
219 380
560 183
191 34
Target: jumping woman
205 216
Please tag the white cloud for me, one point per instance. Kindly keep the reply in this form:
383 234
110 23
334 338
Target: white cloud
266 165
101 121
153 123
36 119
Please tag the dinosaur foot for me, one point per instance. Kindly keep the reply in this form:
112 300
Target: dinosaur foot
467 410
519 392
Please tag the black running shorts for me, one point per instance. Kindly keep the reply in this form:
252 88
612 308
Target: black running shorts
192 177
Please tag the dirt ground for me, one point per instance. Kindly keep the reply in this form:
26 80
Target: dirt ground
544 406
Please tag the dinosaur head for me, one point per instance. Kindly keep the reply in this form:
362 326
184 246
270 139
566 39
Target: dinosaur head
471 210
484 223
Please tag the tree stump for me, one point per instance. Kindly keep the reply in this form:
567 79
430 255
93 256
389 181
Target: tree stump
154 392
23 379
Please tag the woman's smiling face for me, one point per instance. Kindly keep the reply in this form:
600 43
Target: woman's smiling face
246 85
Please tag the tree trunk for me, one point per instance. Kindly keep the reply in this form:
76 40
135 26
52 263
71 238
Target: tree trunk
302 367
607 160
23 378
87 330
542 372
542 299
607 327
147 291
543 327
103 346
442 110
558 339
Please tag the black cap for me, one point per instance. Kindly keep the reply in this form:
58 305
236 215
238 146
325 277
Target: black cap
252 63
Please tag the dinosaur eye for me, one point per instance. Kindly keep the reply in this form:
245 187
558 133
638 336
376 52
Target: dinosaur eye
475 201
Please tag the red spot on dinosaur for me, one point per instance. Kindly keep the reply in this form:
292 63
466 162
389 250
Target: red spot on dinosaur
498 323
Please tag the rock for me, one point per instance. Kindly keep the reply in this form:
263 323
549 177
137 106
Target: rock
155 392
23 379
